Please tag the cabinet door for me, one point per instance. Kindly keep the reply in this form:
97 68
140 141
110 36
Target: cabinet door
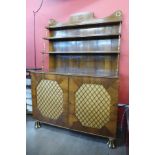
93 105
50 98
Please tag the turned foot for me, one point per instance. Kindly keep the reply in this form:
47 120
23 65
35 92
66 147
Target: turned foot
111 143
37 124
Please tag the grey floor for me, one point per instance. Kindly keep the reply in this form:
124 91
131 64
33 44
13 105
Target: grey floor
49 140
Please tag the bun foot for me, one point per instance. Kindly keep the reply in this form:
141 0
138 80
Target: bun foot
111 143
37 124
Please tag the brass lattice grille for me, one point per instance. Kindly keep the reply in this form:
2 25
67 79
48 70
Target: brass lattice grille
49 99
92 105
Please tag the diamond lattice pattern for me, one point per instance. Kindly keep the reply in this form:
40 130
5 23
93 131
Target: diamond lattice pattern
92 105
50 99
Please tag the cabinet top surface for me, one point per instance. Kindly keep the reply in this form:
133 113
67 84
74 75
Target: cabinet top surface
110 75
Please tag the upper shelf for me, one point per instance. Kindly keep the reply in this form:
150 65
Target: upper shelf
86 25
86 19
81 52
88 37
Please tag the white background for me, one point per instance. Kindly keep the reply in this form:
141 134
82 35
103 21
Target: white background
13 73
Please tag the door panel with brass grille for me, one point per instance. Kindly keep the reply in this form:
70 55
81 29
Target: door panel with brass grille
50 98
93 106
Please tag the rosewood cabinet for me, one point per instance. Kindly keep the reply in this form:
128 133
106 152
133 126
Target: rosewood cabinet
79 90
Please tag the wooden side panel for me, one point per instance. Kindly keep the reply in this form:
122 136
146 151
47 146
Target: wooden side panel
93 105
50 98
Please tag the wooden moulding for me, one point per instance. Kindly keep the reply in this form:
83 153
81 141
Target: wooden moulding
85 19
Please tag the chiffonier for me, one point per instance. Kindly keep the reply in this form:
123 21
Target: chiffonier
79 90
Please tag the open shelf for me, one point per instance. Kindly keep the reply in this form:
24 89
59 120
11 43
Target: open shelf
86 37
83 25
85 46
81 52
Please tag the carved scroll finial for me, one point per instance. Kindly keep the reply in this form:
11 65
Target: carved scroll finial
52 22
118 13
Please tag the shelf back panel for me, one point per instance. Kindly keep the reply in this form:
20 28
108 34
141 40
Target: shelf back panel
86 45
100 30
85 64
